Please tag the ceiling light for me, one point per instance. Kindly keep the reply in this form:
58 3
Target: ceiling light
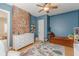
46 8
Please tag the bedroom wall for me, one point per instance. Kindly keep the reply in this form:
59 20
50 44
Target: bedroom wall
48 23
63 24
21 20
33 20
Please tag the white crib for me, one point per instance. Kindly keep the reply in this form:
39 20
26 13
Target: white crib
22 40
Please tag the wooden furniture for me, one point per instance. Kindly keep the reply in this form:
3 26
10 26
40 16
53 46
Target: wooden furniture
62 41
50 34
69 51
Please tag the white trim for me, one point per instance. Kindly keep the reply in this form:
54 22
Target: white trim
8 12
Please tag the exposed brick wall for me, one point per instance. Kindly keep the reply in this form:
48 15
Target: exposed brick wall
20 22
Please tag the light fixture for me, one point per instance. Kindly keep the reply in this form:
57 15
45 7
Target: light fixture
47 7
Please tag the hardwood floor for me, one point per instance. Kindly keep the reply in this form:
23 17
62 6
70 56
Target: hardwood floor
69 51
25 49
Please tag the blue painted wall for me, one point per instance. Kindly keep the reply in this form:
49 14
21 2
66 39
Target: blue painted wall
78 18
44 17
8 8
63 24
48 23
33 20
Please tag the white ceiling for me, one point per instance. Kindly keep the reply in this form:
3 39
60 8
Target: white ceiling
62 8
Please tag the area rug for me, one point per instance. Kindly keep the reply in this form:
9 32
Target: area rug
45 49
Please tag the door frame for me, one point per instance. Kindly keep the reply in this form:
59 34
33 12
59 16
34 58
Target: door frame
38 30
9 26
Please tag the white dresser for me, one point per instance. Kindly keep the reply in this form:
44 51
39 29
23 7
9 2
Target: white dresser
22 40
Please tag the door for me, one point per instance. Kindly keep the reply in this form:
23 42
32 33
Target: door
4 32
41 30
